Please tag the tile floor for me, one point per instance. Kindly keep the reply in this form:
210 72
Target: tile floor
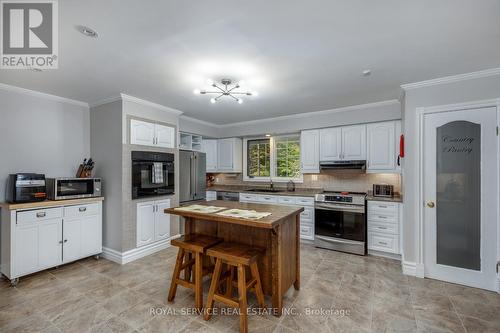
362 294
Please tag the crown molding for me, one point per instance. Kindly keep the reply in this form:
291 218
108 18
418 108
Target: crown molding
198 121
451 79
314 113
125 97
105 101
19 90
150 104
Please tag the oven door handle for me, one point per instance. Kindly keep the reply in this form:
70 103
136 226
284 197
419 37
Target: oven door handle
337 240
345 208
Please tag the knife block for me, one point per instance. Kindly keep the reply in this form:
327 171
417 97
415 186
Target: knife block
83 174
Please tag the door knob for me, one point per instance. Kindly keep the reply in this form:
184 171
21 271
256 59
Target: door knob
430 204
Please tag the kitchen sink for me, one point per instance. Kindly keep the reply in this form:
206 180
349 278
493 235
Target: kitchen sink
267 190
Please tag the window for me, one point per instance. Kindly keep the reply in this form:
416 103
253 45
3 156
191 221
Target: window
287 157
276 158
259 154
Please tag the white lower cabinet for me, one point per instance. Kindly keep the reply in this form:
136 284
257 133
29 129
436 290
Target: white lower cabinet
47 237
152 223
162 220
91 235
72 239
306 217
384 227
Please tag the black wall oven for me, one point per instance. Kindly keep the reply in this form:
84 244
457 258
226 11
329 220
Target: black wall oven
152 174
340 222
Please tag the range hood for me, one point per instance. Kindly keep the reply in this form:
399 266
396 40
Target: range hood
342 165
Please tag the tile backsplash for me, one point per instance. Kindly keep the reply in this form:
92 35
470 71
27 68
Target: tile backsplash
354 181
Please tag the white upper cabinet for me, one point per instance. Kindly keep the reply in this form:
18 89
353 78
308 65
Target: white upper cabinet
209 147
343 143
382 143
330 144
150 134
229 155
165 136
309 151
142 133
354 142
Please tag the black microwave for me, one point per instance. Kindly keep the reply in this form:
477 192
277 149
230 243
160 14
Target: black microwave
152 174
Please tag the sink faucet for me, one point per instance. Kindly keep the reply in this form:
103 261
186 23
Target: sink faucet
272 184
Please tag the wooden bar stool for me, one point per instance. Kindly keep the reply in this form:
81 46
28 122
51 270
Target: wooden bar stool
197 245
235 256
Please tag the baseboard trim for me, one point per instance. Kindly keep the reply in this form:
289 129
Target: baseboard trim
413 269
384 254
137 253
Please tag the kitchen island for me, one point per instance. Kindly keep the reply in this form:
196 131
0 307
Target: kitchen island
278 234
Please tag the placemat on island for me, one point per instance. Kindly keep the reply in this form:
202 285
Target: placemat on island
245 214
200 209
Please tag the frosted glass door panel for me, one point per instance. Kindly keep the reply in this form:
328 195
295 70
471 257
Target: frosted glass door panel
458 199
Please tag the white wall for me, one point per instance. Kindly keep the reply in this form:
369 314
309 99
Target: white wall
447 93
195 126
106 149
41 135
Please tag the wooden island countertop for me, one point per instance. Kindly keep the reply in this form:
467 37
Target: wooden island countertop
278 234
279 214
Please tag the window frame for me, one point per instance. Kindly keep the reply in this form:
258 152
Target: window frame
272 160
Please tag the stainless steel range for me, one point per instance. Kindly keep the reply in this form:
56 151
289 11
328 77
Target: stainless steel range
340 221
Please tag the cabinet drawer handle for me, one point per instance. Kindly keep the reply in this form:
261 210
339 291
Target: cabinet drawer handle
82 209
383 243
60 242
42 214
380 206
65 241
382 217
383 228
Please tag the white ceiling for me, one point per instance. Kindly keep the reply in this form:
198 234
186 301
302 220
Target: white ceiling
301 56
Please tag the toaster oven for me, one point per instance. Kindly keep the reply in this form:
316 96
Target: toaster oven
383 190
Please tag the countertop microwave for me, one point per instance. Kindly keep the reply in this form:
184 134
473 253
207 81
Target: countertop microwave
73 188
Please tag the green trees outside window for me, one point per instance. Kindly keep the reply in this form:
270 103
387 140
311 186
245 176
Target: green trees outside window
276 158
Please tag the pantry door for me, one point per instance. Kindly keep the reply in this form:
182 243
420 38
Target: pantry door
460 174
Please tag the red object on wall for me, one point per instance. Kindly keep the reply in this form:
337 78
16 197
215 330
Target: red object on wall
402 146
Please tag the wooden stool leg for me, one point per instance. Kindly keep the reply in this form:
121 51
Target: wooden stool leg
229 282
176 274
242 291
213 288
187 271
198 281
258 287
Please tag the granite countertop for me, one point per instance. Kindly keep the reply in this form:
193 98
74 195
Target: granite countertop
396 198
300 192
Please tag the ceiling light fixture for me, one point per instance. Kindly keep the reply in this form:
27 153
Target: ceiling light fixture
87 31
367 72
226 88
